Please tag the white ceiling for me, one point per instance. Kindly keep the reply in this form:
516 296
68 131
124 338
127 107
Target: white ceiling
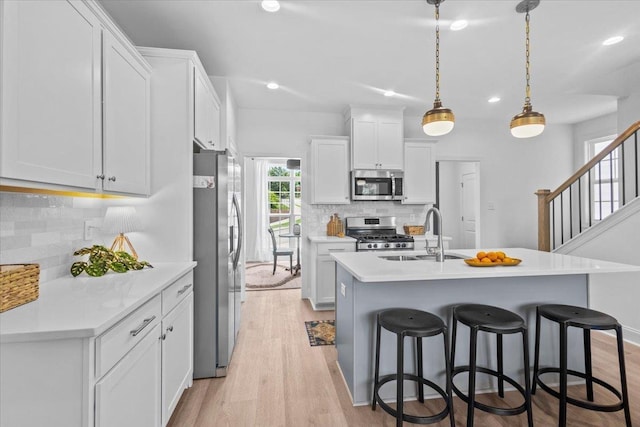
327 54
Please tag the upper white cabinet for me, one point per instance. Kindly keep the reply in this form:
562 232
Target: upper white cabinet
329 170
376 138
73 88
206 130
419 171
127 86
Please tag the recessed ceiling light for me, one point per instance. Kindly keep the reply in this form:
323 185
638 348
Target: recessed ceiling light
273 85
612 40
458 25
493 99
389 93
271 5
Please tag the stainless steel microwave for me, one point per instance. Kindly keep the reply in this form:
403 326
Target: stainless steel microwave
376 184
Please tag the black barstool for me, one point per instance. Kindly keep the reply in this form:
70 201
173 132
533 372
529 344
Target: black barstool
498 321
587 320
419 324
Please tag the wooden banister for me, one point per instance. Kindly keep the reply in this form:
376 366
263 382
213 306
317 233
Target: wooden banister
591 163
546 197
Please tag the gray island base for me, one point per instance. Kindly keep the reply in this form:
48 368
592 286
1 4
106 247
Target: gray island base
541 278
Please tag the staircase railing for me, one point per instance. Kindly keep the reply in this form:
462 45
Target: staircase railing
569 210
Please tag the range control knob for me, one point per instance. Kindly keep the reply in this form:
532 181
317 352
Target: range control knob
386 245
369 246
404 245
375 245
397 245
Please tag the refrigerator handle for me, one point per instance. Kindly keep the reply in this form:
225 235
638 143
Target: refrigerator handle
240 231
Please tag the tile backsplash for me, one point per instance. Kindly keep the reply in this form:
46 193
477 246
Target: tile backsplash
44 229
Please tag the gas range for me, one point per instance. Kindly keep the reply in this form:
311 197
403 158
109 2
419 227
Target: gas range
377 234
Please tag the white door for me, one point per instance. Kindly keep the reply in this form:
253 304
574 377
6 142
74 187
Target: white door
469 190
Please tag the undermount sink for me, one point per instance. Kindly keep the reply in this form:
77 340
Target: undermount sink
416 257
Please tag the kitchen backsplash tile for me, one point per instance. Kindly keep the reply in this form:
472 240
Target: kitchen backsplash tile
44 229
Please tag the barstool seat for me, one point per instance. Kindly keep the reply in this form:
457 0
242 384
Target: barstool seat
487 318
587 320
417 324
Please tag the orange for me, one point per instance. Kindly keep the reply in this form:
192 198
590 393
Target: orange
492 256
481 255
507 259
485 260
501 255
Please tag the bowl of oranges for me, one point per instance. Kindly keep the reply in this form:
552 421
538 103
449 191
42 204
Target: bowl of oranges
492 259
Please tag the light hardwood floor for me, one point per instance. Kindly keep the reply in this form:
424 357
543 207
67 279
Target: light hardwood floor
277 379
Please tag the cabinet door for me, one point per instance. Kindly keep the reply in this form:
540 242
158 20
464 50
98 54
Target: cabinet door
129 395
330 171
177 355
390 143
204 110
215 131
364 141
325 281
126 120
419 173
51 126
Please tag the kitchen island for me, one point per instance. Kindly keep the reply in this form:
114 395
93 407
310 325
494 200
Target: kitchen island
366 283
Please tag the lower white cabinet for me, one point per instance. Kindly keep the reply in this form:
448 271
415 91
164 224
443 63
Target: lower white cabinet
323 271
129 395
177 355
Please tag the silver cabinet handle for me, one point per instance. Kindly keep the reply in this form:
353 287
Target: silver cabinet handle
112 178
163 337
145 323
211 142
100 176
184 289
336 250
170 328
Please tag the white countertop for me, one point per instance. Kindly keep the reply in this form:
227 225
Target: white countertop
84 306
368 267
331 239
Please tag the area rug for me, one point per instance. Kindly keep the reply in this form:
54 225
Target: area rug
259 276
321 332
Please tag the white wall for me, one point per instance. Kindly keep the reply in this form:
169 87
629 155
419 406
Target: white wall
628 111
511 170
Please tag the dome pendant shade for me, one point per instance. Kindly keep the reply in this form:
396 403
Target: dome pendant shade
438 121
528 123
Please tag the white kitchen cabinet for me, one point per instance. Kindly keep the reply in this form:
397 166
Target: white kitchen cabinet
206 129
177 355
130 393
419 172
376 138
73 87
329 170
106 362
127 87
323 270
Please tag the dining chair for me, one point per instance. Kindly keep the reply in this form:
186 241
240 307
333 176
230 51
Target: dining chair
280 252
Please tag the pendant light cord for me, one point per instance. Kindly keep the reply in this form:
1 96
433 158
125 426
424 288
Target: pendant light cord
527 99
438 52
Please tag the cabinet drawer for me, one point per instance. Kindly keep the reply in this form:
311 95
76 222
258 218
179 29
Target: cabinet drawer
179 289
327 248
117 341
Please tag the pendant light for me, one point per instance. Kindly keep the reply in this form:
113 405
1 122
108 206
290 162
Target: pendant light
439 120
528 123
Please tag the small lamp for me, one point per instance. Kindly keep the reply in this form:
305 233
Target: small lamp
121 220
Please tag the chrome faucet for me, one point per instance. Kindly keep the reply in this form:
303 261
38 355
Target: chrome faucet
440 247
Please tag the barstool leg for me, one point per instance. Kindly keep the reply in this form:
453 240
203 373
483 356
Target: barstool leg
536 355
419 357
586 334
472 375
623 376
562 417
527 377
447 367
454 328
400 381
500 368
376 376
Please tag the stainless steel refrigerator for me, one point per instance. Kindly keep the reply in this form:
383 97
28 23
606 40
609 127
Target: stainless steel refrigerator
217 249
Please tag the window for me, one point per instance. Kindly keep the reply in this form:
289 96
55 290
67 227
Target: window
605 189
285 204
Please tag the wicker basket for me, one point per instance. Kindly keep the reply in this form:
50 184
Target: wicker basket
19 284
414 229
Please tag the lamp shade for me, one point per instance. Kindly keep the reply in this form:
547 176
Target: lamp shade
438 121
121 219
527 124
